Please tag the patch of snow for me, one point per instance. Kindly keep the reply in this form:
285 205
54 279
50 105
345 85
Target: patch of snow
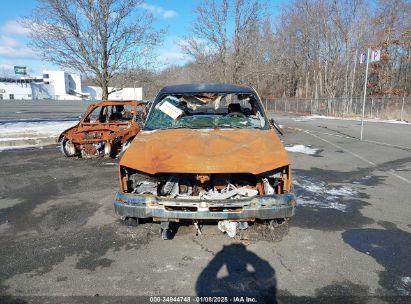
311 117
21 138
300 119
320 204
389 121
302 149
45 129
23 134
318 194
17 147
342 191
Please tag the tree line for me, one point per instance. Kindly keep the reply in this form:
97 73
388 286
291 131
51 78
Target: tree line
310 49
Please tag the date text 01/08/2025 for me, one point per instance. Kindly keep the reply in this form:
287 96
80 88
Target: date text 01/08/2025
203 299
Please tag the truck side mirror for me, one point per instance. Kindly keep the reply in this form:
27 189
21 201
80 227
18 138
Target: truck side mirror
275 126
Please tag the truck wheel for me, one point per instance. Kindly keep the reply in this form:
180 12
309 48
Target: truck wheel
130 221
166 234
67 147
276 223
269 230
124 147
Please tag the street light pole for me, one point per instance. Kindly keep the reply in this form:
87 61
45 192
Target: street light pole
365 93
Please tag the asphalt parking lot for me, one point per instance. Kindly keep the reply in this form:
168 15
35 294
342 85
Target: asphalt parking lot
351 235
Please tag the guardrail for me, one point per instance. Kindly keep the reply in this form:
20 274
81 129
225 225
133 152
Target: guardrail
28 97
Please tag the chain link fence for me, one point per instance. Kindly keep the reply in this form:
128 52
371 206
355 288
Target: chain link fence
393 108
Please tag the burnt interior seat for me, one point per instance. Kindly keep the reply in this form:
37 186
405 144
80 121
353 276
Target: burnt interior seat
102 118
116 116
234 107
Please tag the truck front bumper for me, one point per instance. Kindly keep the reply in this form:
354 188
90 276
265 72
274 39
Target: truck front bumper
256 207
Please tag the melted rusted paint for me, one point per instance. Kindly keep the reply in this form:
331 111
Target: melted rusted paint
206 151
84 134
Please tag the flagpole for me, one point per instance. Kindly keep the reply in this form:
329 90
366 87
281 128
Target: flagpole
365 93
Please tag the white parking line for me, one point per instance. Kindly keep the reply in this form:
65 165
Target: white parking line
385 144
352 137
339 147
391 172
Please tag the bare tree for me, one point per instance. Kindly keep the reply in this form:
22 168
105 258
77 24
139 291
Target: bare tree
393 37
209 43
212 44
310 50
98 38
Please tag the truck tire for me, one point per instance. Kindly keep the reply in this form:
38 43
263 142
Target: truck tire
67 148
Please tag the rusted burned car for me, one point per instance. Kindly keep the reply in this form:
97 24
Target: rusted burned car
207 152
105 129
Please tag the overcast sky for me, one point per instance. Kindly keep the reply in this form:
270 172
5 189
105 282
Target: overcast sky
176 15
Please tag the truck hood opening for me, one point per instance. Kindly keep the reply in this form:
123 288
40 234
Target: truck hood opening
205 151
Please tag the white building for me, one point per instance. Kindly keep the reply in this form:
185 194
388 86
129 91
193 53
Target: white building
15 89
59 85
66 86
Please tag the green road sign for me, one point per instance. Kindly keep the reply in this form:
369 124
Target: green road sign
19 70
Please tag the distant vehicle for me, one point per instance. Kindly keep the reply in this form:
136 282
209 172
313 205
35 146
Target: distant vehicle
106 129
207 152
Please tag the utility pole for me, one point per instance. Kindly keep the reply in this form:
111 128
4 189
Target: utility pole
365 92
402 107
352 80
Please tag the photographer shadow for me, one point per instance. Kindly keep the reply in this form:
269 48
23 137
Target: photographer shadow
245 274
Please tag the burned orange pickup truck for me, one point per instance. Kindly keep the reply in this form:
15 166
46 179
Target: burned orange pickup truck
105 129
207 152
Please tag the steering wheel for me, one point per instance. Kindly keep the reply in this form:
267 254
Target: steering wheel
236 114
